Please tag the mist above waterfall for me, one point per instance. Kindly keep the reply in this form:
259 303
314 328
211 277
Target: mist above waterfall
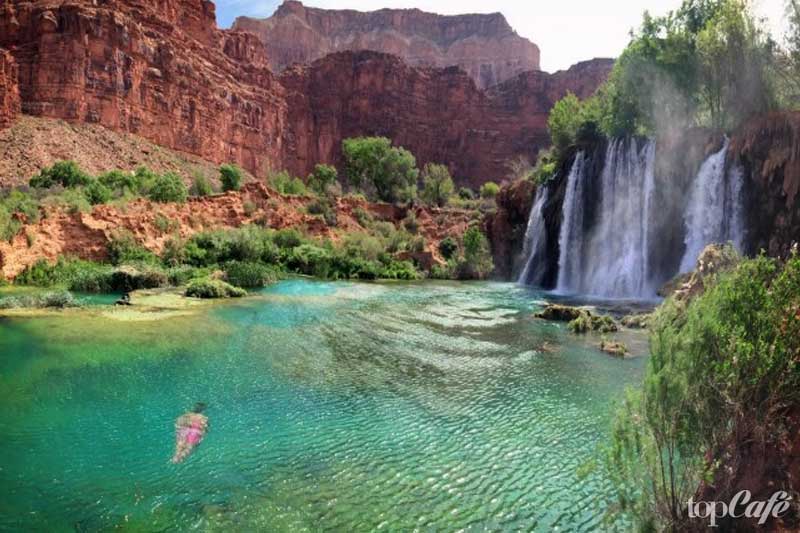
624 229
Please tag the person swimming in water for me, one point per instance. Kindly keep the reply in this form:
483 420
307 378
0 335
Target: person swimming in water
190 428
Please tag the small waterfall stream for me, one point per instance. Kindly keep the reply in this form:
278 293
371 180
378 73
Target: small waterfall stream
535 241
714 212
616 221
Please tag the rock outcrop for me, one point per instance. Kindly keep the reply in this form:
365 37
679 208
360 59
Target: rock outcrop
768 148
9 90
161 70
438 114
484 46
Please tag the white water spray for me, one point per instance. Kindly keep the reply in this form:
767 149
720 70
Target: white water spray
535 241
714 213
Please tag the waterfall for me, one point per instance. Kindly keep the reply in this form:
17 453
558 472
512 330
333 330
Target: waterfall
535 241
570 240
715 211
611 260
620 234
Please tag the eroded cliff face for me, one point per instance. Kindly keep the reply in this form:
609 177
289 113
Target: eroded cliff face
768 148
10 105
438 114
161 70
484 46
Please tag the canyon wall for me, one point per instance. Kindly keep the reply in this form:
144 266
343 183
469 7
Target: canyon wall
10 105
161 70
438 114
484 46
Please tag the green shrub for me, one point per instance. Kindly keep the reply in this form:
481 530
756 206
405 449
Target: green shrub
201 186
168 188
96 193
121 183
72 199
231 177
477 261
207 288
131 278
410 223
124 248
489 190
465 193
286 184
74 274
723 370
64 173
250 274
362 245
326 208
438 186
448 247
323 177
55 299
288 238
363 217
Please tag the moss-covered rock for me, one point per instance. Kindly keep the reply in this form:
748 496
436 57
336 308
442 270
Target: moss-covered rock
586 322
560 313
638 321
213 288
615 348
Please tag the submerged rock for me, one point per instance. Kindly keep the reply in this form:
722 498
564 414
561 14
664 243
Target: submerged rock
560 313
587 322
638 321
615 348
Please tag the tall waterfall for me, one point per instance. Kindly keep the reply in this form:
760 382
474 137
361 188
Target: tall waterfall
611 258
715 211
620 234
535 241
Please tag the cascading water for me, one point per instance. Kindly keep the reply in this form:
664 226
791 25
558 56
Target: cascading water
611 260
570 240
617 227
714 212
535 241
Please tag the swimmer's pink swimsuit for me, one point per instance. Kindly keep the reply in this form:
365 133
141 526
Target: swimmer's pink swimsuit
193 435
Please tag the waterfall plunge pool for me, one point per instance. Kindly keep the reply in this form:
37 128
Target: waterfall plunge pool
333 406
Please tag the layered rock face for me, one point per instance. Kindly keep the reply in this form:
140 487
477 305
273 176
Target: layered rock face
438 114
484 46
161 70
9 89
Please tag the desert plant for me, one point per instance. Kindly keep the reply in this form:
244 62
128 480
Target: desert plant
230 176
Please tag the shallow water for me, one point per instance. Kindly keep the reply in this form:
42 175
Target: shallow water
345 407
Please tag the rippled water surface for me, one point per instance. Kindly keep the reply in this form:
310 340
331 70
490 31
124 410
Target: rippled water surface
345 407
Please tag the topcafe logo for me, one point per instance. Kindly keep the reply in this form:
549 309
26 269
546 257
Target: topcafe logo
741 507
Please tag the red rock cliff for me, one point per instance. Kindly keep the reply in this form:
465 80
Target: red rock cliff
160 69
438 114
485 46
9 89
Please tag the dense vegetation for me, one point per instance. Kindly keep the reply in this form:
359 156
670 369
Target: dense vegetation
709 63
723 371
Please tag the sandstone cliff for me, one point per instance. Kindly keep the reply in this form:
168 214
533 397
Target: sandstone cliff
438 114
164 72
484 46
9 89
161 70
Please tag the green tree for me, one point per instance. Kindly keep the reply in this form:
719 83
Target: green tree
564 121
382 171
322 178
437 186
231 177
168 188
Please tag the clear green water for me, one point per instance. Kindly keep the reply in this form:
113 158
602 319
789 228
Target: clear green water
337 407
